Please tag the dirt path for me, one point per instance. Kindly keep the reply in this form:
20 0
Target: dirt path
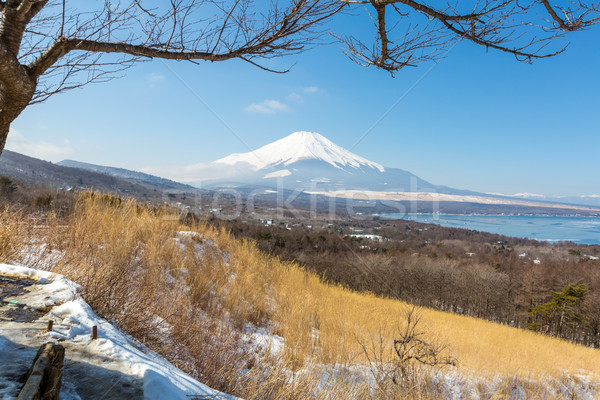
87 374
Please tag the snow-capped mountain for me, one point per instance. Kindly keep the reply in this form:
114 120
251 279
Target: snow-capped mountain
310 161
300 146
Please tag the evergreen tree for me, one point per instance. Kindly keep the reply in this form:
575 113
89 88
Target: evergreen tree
563 308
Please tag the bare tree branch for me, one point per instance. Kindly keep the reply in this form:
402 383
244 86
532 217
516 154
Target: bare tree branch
25 7
567 23
410 350
49 46
507 26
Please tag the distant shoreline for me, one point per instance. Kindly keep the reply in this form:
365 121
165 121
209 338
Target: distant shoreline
551 229
442 197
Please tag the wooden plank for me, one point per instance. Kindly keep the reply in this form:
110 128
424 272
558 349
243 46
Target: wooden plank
44 376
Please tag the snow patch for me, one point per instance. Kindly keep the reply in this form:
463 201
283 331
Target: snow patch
263 339
112 351
277 174
367 236
297 147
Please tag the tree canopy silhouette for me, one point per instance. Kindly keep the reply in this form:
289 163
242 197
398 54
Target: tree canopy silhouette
49 46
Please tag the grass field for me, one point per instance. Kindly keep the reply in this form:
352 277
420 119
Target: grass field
135 265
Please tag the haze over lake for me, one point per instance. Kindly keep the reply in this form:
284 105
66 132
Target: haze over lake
581 230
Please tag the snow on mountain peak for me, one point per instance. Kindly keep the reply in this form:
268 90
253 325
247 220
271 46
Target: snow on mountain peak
297 147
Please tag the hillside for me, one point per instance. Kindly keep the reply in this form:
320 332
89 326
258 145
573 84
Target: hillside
28 169
128 175
251 336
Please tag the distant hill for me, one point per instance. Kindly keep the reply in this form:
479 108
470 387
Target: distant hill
128 175
33 170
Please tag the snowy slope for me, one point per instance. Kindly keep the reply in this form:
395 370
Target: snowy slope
300 146
309 161
109 368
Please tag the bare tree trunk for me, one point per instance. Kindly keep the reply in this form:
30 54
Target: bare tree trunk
3 136
17 83
12 106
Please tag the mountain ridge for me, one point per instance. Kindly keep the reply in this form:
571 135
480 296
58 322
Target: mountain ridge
309 161
32 170
127 174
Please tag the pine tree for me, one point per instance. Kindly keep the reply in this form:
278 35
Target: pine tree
563 308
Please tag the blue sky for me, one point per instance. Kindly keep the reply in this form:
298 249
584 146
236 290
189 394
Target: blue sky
476 120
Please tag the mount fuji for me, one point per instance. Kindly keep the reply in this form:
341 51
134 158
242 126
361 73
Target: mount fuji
311 162
300 146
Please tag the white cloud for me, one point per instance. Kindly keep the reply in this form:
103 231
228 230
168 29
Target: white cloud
267 107
295 97
523 195
196 174
43 150
590 196
312 89
529 195
155 77
309 90
271 106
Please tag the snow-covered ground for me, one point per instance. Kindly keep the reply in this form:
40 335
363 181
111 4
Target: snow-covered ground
432 197
378 238
114 366
297 147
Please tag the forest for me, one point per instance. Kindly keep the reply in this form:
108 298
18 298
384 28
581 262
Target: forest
550 288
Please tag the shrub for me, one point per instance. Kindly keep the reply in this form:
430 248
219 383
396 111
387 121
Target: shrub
43 201
7 186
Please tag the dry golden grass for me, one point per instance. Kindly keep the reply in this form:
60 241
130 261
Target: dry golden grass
489 347
135 266
12 235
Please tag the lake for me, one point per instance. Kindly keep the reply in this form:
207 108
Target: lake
582 230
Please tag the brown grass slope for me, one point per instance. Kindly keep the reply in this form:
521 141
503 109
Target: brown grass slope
197 298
